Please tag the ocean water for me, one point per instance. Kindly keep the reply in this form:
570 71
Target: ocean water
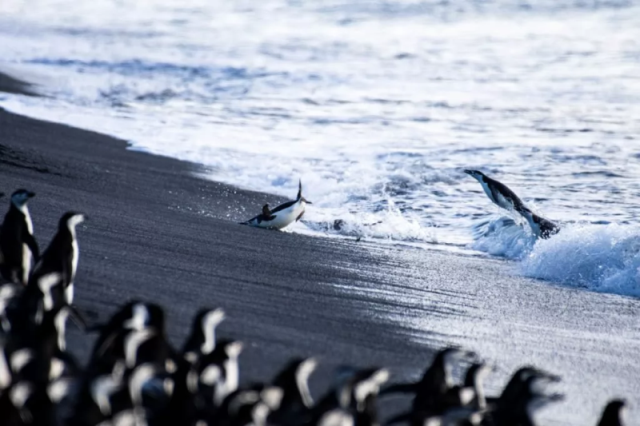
377 106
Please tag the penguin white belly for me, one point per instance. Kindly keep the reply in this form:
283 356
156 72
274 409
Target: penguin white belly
74 260
505 203
68 294
284 217
26 263
27 218
499 199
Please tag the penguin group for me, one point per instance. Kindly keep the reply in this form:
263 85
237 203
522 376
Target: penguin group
134 376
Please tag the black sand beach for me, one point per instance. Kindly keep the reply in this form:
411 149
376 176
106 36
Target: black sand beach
158 232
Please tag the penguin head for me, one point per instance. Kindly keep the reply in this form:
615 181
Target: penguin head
20 197
476 174
232 349
144 315
209 318
70 220
204 328
367 385
453 354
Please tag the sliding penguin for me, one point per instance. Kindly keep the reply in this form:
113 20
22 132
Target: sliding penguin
504 197
281 216
61 257
19 247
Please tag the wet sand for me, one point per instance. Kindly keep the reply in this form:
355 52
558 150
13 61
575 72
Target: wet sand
159 232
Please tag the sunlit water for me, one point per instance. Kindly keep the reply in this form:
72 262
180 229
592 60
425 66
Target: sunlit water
376 105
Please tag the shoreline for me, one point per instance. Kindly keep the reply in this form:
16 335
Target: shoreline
158 232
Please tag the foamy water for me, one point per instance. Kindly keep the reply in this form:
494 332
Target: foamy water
377 106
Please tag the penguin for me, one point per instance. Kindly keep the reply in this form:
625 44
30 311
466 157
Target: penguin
436 380
134 315
296 398
281 216
141 341
202 340
518 407
61 257
435 393
42 357
516 385
612 413
216 375
504 197
474 379
19 247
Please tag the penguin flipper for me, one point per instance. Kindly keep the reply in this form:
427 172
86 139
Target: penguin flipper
78 318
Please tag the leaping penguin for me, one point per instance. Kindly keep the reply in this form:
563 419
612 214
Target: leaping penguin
504 197
283 215
19 247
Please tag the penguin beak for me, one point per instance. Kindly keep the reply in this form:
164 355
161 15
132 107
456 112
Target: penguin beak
31 194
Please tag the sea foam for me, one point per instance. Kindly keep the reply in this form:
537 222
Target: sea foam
603 257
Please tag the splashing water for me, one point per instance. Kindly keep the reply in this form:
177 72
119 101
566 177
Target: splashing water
600 258
379 124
